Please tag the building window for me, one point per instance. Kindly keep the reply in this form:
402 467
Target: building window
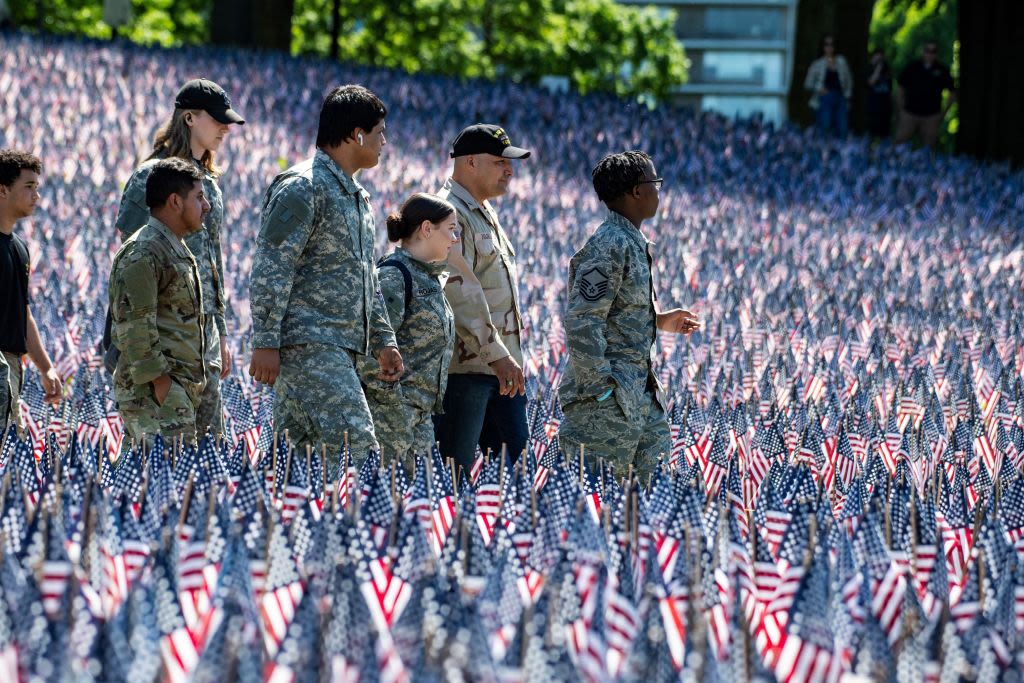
770 108
736 23
720 67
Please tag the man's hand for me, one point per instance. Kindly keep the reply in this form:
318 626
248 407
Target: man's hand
53 386
678 321
265 365
510 377
161 385
225 359
391 365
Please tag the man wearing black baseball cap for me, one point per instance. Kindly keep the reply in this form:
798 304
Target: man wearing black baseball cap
206 95
485 402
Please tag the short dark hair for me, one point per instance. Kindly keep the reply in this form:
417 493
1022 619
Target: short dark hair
170 176
13 162
617 174
346 108
416 209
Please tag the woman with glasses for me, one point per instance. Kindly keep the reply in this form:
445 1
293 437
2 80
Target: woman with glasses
201 119
412 283
831 84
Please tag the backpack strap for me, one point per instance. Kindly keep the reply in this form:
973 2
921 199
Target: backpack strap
406 276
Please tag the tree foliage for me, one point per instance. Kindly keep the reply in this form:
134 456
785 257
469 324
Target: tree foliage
598 45
900 27
154 22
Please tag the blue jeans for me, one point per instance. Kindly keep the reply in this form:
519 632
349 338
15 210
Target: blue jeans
476 414
831 117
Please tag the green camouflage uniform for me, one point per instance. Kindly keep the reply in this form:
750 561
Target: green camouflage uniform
425 329
315 296
156 304
610 333
205 246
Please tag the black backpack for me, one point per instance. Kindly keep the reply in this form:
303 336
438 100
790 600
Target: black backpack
110 352
389 261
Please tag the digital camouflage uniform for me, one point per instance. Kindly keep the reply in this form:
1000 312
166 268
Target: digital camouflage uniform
314 296
156 303
205 247
610 334
425 329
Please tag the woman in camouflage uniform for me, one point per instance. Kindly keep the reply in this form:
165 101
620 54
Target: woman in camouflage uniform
202 118
412 283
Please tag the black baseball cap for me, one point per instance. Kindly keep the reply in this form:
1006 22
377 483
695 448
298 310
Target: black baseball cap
208 96
483 138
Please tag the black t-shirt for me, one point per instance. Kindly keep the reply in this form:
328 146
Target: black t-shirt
14 266
832 83
922 87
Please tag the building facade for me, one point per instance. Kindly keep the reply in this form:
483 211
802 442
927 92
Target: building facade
740 52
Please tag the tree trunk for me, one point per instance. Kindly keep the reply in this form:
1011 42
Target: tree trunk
849 23
991 102
264 24
229 23
335 27
272 24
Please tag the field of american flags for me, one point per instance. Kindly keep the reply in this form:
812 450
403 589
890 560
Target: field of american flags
843 495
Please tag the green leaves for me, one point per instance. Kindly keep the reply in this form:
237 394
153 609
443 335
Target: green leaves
599 45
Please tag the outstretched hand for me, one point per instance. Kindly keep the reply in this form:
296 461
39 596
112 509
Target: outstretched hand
678 321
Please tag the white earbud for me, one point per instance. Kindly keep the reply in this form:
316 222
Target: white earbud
360 136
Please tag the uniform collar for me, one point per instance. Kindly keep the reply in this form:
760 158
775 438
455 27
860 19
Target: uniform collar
462 193
347 182
626 226
177 244
432 269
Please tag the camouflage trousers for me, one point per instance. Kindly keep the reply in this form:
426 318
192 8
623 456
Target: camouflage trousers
403 430
604 431
318 398
209 409
145 418
11 377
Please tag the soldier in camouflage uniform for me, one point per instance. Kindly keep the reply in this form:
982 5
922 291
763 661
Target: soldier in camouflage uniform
156 303
412 281
614 405
485 402
202 117
314 293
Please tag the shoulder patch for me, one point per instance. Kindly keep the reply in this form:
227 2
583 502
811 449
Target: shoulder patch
593 284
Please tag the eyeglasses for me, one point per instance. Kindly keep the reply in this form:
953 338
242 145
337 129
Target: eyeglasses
657 182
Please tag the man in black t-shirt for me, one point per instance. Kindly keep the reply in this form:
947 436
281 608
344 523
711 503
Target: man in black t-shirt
19 193
920 95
